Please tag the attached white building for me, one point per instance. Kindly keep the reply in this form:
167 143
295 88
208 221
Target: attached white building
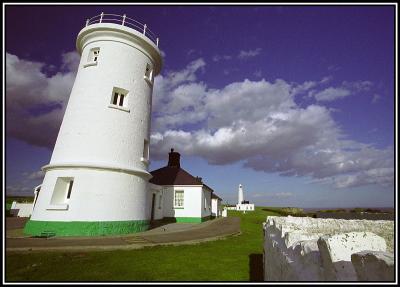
174 193
216 209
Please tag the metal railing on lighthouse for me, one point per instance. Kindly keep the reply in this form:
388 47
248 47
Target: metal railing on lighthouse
124 21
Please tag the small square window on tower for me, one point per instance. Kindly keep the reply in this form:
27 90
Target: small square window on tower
119 99
61 193
93 57
148 75
94 54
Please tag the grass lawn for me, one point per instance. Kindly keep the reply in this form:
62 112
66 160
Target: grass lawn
237 258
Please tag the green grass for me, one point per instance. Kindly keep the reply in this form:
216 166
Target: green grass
221 260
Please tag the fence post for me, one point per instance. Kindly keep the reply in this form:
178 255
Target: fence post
101 16
144 29
123 19
87 22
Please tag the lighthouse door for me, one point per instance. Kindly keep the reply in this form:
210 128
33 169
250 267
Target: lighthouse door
152 206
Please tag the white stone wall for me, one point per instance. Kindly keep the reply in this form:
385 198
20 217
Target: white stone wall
224 212
99 146
206 202
310 249
24 209
245 207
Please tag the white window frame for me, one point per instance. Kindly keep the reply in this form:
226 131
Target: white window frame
92 57
59 199
180 191
121 95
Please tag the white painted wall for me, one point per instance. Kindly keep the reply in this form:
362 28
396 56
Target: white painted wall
193 202
206 202
97 195
99 146
215 207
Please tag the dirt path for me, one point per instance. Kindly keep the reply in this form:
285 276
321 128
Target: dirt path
208 230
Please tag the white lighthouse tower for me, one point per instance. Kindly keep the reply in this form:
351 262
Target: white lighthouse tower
240 194
96 182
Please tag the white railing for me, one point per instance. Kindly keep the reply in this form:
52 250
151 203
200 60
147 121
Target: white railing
124 21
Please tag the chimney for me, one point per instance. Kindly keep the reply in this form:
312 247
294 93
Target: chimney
174 159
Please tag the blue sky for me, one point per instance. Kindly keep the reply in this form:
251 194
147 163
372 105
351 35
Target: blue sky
294 102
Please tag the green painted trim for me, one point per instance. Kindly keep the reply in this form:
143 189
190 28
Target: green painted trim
84 228
190 219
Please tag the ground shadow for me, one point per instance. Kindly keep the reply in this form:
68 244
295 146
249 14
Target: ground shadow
160 222
256 267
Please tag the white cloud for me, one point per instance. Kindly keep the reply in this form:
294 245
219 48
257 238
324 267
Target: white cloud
258 73
331 94
34 175
346 89
259 123
163 54
283 194
249 54
18 190
217 58
36 102
375 98
70 61
268 195
254 122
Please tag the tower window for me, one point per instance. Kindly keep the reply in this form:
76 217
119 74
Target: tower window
119 98
71 182
62 190
148 75
94 55
146 150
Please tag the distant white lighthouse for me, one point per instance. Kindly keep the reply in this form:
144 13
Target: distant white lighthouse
243 205
240 194
97 180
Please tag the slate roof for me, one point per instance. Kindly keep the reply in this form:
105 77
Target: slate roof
173 174
213 195
169 175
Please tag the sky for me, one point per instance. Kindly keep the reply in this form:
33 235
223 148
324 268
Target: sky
296 103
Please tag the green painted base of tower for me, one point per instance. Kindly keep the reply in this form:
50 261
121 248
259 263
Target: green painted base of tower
84 228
